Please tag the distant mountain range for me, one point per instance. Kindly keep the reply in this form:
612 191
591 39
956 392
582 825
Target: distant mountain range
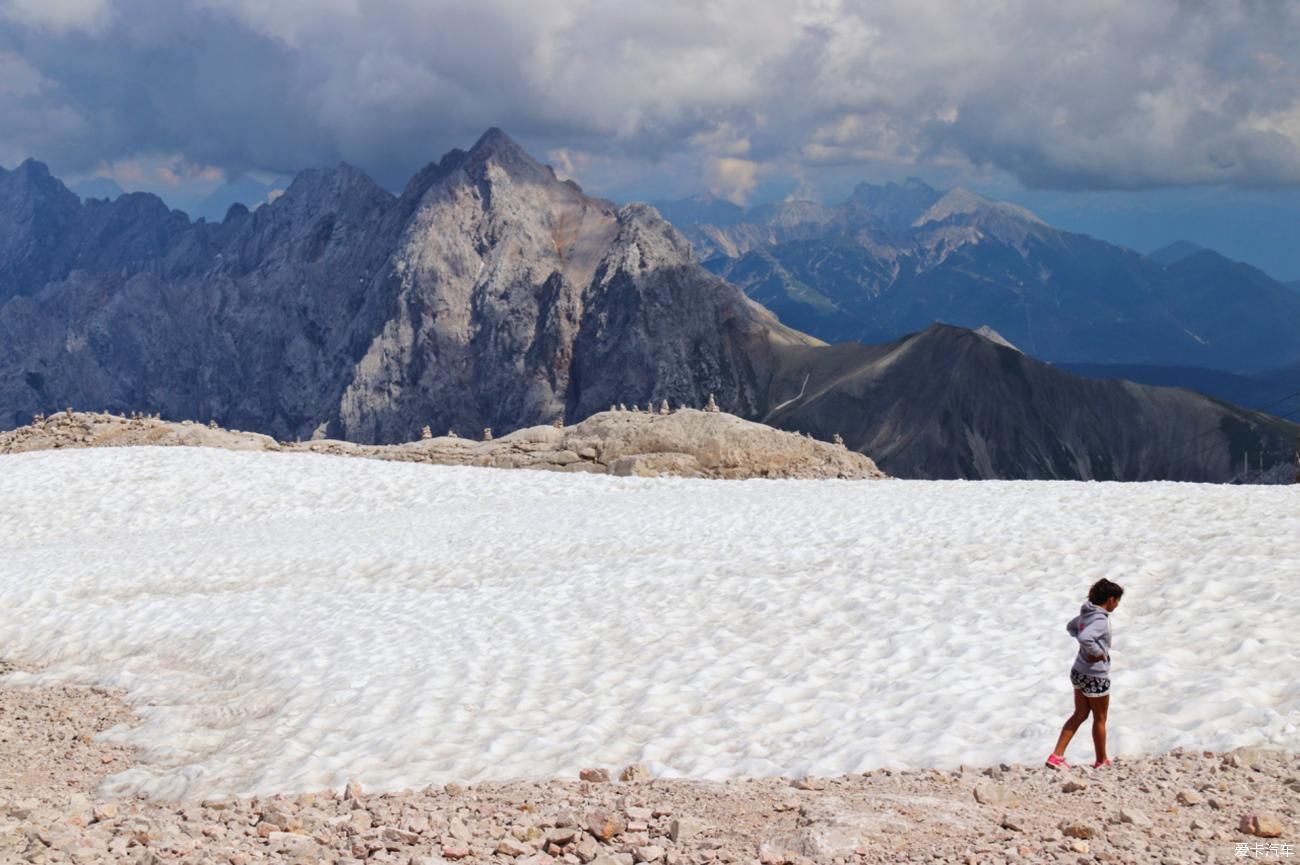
1275 391
895 258
247 192
489 293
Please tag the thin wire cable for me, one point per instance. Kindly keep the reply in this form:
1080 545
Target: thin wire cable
1252 413
1272 424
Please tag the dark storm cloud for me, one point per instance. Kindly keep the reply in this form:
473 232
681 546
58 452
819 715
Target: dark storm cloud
1097 94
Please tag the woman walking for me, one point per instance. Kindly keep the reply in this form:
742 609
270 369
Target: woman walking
1090 673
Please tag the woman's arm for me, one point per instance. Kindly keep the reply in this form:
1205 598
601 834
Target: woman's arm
1090 639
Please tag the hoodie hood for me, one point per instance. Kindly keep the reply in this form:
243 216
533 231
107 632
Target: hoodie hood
1089 610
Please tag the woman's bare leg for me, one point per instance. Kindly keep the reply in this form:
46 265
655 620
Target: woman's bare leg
1099 706
1072 724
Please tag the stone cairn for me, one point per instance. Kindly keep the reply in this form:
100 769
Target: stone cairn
426 433
649 407
487 433
712 406
663 408
39 417
559 422
622 407
837 439
451 434
212 424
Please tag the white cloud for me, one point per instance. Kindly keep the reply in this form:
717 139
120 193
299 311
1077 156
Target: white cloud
17 78
733 179
161 172
56 14
1094 93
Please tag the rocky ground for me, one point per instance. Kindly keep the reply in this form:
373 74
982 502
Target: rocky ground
683 442
1182 807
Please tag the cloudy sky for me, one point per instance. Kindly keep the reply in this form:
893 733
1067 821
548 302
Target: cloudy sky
1140 122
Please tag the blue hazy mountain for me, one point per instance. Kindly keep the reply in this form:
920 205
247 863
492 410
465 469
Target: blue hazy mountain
98 187
892 259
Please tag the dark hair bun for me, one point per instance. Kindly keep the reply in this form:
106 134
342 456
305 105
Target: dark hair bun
1103 590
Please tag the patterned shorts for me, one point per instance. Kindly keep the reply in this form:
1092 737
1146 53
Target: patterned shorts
1092 686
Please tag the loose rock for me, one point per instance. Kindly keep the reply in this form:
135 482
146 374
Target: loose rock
1261 825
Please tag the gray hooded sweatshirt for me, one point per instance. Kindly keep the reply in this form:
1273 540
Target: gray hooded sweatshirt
1092 629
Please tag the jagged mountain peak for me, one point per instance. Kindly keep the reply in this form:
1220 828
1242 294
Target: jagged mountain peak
957 200
495 147
494 157
339 177
895 205
321 190
496 140
33 168
645 241
31 175
960 201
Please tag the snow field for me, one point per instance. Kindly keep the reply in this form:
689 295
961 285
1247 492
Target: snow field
285 622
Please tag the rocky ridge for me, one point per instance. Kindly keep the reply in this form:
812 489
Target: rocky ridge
489 293
646 442
1183 807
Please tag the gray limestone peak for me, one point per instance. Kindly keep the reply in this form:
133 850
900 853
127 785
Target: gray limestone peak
644 242
497 149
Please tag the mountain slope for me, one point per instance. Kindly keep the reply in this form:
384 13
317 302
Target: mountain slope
949 403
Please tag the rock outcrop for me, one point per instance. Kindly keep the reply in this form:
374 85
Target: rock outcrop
685 443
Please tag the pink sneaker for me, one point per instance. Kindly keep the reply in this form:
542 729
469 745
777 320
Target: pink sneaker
1056 762
1100 763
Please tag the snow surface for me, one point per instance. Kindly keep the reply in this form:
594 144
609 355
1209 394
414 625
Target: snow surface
285 622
